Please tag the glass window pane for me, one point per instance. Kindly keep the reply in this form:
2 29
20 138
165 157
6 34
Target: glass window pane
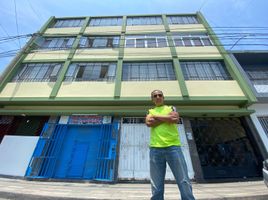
130 43
151 42
140 43
162 42
197 42
100 42
178 42
206 42
187 41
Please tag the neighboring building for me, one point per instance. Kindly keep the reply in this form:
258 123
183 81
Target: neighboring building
84 84
253 65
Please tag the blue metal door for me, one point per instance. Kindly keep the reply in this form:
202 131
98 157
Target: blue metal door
78 159
76 151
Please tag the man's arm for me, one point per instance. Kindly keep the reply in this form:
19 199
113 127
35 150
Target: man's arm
172 117
151 121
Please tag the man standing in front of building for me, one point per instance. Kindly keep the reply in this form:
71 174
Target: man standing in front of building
165 148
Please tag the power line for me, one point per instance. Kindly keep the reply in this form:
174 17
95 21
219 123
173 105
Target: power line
16 19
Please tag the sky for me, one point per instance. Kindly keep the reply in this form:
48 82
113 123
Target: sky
240 24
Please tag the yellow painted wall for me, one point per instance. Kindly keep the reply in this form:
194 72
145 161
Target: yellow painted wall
144 88
198 52
145 29
86 89
95 53
103 30
187 28
48 55
132 53
66 30
27 89
214 88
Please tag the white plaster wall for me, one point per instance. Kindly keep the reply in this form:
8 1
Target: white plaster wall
16 153
261 110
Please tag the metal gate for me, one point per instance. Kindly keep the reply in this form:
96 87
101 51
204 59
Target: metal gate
75 151
134 151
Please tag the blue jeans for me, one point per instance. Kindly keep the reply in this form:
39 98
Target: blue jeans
174 157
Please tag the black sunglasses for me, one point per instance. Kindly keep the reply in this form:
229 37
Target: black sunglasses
159 95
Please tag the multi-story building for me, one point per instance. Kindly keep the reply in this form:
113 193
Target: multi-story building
253 65
73 102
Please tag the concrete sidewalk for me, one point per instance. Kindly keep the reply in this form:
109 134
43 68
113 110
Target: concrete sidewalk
26 190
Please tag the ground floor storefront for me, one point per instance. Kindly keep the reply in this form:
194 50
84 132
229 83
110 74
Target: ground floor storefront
109 148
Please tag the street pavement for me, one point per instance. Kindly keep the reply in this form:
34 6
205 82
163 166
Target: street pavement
21 189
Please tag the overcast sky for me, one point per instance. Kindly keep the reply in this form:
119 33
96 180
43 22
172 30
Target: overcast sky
234 14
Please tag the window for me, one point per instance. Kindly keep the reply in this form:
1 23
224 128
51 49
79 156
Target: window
201 39
56 43
99 42
41 72
204 71
182 20
264 123
148 71
146 41
111 21
134 21
61 23
91 72
258 75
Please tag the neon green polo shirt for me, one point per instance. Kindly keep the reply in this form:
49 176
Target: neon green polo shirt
165 134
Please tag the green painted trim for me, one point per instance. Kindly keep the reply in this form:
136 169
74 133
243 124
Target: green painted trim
117 89
74 47
60 78
121 46
169 38
164 18
47 24
171 45
228 62
180 78
124 24
83 28
208 101
132 112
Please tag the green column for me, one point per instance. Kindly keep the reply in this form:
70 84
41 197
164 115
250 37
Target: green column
176 64
228 61
180 77
118 78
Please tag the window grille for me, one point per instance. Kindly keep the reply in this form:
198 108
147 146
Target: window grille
107 21
134 21
146 41
99 42
41 72
61 23
191 40
133 120
182 20
55 43
148 71
258 75
91 72
204 71
264 123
